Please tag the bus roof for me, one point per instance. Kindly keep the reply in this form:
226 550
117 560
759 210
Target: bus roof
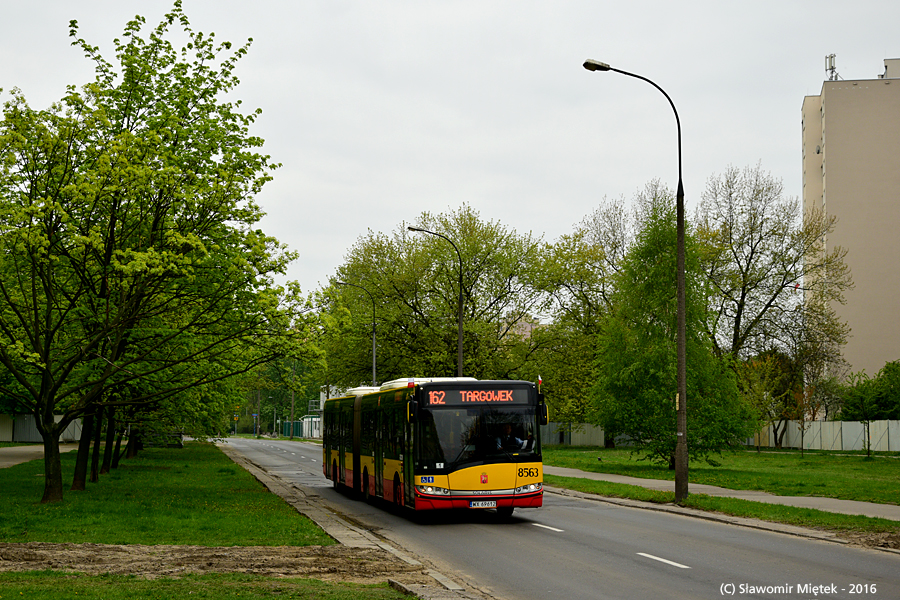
412 381
361 390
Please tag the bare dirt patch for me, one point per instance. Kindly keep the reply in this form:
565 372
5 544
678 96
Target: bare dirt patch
327 563
874 540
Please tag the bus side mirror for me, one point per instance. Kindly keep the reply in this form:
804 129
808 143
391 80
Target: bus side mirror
412 411
543 414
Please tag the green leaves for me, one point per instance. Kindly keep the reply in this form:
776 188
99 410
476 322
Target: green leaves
414 280
636 363
130 270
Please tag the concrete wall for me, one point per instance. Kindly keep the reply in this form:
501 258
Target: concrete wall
22 428
572 434
6 428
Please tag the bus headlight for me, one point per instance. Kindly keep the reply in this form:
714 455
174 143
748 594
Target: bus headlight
432 490
531 487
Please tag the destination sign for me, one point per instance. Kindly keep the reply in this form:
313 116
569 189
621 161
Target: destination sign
458 397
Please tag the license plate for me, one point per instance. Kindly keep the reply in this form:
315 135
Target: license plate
483 504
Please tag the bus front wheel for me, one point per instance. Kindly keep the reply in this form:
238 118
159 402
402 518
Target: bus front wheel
505 512
398 497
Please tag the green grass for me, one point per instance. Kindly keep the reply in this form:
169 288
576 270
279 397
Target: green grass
781 473
776 513
53 585
194 495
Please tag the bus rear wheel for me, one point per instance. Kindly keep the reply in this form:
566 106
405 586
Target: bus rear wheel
334 474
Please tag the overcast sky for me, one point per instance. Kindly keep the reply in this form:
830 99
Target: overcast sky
381 110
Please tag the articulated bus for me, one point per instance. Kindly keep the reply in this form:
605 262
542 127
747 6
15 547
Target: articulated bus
438 443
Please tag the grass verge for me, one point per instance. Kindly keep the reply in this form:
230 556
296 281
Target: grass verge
53 585
194 495
784 474
775 513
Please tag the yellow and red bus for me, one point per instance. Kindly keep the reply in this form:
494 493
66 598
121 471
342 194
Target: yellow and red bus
438 443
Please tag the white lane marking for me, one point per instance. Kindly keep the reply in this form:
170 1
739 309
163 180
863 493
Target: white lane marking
668 562
548 527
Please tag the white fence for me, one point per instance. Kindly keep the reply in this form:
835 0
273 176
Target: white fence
572 434
834 435
819 435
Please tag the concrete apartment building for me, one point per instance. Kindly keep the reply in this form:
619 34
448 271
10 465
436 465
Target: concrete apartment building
851 167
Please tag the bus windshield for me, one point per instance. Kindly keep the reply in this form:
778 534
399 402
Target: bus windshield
455 437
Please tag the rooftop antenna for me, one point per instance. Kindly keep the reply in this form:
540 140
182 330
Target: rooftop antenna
830 68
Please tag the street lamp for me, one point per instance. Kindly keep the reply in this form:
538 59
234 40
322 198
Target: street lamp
681 453
459 317
371 297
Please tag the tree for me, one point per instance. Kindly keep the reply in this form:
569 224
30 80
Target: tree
578 276
868 399
772 381
130 272
888 391
860 404
805 408
636 366
768 267
414 281
757 380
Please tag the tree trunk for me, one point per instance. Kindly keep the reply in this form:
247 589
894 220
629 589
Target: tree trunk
117 453
110 438
79 479
53 488
779 428
131 449
95 458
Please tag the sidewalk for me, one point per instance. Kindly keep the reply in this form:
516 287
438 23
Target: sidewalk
847 507
19 454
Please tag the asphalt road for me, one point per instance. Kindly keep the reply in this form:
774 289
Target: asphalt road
574 549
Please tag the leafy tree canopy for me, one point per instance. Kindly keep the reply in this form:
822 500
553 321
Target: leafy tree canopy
130 268
414 281
636 363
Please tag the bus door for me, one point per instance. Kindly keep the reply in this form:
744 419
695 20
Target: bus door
379 450
357 437
344 425
408 463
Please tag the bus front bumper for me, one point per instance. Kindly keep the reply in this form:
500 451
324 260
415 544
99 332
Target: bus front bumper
525 500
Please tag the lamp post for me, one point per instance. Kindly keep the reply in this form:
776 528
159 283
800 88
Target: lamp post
681 453
459 316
